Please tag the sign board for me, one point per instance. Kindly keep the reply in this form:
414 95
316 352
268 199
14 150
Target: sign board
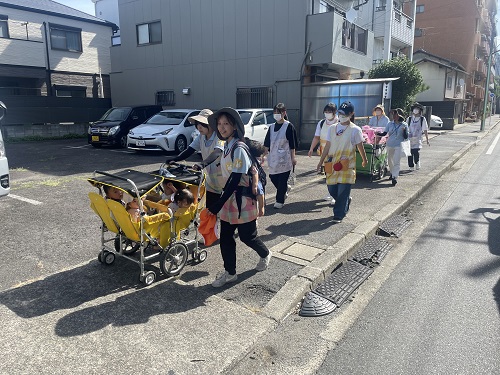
492 95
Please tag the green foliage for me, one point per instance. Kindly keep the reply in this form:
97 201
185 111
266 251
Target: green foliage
409 84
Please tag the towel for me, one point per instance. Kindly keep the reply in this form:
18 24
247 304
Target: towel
207 227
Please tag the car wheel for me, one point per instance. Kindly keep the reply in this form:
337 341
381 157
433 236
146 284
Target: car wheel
180 144
123 141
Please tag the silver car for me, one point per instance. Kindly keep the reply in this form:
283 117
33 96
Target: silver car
168 130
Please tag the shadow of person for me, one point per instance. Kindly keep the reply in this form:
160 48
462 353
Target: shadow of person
493 244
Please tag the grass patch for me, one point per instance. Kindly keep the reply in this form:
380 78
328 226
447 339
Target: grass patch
20 169
32 184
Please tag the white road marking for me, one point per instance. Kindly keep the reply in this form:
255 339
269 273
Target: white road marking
68 147
495 141
27 200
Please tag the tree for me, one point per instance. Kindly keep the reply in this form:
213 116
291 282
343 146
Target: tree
409 84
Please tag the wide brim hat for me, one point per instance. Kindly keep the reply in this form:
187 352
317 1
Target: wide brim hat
240 127
417 105
201 117
400 113
379 106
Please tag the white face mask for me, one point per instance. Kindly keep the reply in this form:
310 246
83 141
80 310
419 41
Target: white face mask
329 116
416 111
343 118
277 116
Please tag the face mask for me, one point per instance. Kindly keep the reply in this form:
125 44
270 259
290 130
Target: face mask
277 116
329 116
416 111
343 118
378 113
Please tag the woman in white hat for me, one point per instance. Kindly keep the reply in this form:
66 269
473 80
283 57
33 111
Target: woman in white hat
211 148
237 204
379 119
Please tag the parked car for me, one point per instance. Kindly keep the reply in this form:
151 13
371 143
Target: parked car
4 165
112 128
257 121
436 122
168 130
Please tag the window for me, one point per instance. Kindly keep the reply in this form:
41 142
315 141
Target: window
65 38
149 33
71 91
381 4
4 26
449 82
165 98
420 9
418 32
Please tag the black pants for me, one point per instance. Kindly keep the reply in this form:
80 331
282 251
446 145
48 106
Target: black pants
248 235
211 198
280 182
414 157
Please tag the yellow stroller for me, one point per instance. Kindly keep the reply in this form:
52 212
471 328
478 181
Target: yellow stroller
139 241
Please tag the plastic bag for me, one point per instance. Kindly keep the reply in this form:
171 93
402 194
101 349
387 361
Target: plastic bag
405 148
292 178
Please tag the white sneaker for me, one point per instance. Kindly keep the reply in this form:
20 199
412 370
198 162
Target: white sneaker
332 202
224 278
263 262
417 167
328 198
278 205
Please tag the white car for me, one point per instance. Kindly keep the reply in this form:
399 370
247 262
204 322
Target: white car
257 121
168 130
436 122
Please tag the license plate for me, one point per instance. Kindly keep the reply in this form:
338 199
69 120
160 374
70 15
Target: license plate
140 143
95 138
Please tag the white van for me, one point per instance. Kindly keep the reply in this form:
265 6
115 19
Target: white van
4 165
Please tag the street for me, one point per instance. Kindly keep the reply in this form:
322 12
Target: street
61 307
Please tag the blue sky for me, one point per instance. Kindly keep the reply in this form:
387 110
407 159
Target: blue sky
86 6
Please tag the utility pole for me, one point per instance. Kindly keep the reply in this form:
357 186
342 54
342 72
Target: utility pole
487 86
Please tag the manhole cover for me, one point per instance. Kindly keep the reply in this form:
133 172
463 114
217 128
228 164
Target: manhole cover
343 282
315 305
373 251
394 226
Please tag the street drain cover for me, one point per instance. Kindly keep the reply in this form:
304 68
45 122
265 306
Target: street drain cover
373 251
343 282
315 305
394 226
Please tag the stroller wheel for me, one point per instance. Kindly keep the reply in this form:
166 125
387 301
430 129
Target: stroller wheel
108 258
127 246
201 256
148 278
173 260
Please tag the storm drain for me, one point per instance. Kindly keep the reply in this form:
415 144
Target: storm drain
373 251
343 282
316 305
394 226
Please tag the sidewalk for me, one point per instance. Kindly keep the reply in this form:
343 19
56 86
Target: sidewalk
90 320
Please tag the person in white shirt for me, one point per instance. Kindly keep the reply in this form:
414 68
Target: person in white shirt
417 125
330 118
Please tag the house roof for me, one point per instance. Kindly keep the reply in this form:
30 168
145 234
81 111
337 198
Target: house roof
55 9
424 56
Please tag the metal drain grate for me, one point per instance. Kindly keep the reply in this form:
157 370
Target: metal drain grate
343 282
315 305
394 226
373 251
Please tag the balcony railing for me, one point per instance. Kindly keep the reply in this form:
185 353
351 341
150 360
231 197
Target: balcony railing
402 27
354 37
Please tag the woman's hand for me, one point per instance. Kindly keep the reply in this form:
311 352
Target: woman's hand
318 168
310 153
294 161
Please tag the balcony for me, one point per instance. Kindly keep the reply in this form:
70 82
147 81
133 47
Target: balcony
402 28
338 42
22 52
481 67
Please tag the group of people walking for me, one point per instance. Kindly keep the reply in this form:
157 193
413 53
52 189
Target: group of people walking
229 163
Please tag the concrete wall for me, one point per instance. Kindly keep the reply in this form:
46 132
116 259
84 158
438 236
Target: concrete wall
211 46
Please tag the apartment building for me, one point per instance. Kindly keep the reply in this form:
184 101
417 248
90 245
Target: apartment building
462 32
52 58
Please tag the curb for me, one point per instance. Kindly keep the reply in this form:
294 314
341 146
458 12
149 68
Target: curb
292 293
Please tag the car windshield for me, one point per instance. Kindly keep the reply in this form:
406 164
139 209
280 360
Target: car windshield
245 116
167 118
116 114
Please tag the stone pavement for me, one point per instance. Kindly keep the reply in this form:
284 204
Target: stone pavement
87 320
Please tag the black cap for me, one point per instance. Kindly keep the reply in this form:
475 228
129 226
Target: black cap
346 108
